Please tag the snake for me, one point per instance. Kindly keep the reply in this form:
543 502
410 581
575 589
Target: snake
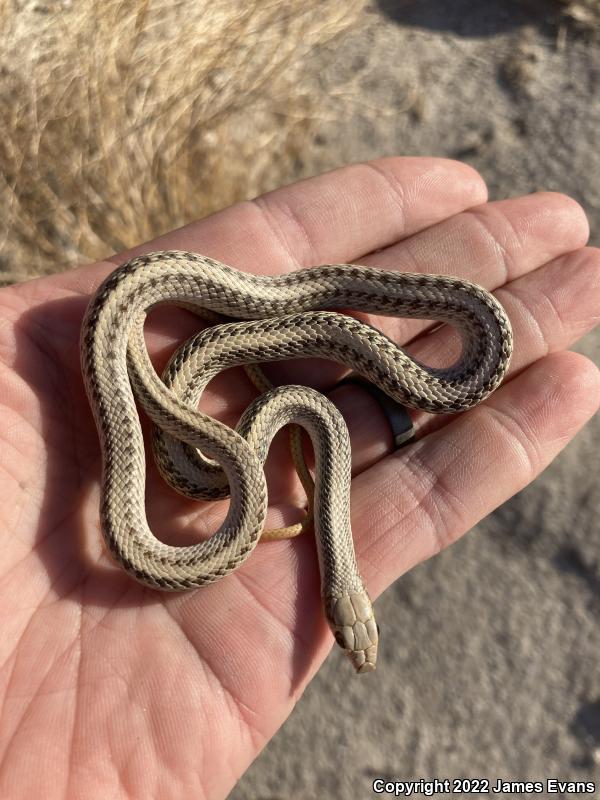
259 319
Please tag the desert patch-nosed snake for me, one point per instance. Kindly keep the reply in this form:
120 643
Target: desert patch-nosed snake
278 318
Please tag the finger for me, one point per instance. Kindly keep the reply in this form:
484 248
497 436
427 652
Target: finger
549 309
329 218
333 217
405 509
415 502
490 245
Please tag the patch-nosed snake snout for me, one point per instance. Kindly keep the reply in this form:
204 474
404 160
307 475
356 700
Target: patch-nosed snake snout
276 318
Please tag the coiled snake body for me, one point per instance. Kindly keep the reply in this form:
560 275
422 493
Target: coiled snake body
203 458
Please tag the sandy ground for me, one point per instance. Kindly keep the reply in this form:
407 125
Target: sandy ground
489 658
490 654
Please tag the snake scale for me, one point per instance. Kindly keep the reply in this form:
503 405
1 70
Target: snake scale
276 318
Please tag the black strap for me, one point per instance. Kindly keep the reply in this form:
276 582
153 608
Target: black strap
397 415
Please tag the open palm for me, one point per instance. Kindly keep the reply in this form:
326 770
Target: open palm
109 689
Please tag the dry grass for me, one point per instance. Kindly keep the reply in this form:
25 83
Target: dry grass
123 119
584 13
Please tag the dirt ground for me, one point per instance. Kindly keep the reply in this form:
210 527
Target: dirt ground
490 655
489 664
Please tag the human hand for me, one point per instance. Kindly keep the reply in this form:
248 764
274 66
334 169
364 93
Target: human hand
112 689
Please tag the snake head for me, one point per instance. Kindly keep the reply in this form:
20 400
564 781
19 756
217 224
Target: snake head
352 621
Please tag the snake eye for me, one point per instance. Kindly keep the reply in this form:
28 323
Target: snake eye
340 639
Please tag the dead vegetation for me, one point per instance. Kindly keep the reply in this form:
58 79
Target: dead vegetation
584 13
126 118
